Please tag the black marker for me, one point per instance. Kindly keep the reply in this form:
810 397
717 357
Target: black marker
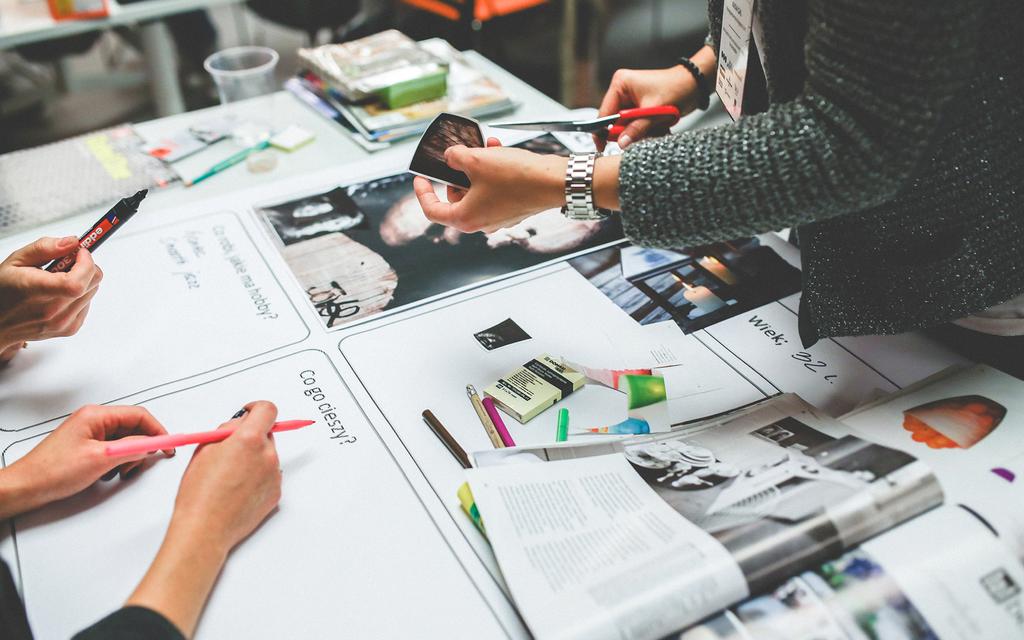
104 227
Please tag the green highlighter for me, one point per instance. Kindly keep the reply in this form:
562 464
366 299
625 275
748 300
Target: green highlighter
228 162
469 506
562 431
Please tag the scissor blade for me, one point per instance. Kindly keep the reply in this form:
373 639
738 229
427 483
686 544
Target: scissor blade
533 126
558 125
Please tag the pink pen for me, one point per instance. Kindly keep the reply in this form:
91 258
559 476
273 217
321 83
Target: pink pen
499 426
157 443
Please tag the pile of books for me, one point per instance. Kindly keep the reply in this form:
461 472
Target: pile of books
376 116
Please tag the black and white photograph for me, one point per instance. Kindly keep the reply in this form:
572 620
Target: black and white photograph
694 287
364 248
780 487
500 335
445 131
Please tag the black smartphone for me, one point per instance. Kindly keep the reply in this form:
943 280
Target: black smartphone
447 130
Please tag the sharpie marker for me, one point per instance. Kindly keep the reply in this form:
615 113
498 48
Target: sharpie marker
104 228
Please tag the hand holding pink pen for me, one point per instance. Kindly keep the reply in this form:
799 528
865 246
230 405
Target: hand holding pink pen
157 443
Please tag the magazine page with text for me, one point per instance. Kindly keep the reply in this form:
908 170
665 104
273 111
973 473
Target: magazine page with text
642 536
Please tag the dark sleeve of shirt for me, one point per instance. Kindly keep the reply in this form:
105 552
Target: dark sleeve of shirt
13 623
879 74
132 623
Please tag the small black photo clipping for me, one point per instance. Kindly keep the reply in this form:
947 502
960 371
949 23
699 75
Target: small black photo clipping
504 333
447 130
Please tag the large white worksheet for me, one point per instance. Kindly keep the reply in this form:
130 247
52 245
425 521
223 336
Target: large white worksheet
350 552
176 300
834 374
424 359
197 314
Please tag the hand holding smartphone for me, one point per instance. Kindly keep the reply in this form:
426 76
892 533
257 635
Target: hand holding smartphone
447 130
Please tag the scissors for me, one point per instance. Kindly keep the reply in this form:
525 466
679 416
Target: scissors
614 124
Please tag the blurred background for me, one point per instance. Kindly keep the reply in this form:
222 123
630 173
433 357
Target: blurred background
568 49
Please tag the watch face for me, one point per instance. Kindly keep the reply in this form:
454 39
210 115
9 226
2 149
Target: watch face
447 130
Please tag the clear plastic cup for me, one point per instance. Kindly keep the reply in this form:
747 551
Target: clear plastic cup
242 72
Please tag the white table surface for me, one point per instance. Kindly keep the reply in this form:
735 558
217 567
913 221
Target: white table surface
332 146
27 21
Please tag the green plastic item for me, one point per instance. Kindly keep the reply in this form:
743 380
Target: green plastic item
562 426
642 390
409 92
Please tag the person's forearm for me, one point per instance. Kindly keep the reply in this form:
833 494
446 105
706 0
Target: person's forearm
18 492
606 182
181 577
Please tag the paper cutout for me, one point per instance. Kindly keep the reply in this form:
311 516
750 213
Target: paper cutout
502 334
953 423
648 394
1005 474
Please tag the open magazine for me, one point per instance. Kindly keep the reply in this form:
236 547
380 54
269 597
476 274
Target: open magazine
766 523
940 575
639 537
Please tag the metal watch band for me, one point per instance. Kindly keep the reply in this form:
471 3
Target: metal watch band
579 188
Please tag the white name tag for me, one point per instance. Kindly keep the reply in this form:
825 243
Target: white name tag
734 49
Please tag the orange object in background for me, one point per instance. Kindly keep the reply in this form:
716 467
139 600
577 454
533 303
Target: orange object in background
483 10
953 423
78 9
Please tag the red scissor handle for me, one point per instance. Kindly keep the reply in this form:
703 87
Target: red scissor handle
668 113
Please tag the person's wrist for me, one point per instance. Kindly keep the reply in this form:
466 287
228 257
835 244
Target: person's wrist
551 185
690 98
606 182
20 491
687 99
190 531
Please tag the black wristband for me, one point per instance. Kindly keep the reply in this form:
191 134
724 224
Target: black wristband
703 90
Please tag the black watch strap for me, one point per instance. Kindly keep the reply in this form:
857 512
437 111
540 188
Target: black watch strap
703 87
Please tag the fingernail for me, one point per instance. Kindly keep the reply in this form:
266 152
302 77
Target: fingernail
170 453
109 475
67 242
132 473
624 141
239 413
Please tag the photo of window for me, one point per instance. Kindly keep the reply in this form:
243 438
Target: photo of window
694 287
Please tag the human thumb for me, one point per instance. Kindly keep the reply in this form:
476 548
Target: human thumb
457 157
635 130
43 250
259 418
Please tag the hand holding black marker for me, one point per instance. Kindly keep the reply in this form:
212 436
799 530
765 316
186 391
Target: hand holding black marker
103 228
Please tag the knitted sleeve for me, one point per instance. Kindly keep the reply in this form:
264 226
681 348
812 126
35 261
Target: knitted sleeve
879 73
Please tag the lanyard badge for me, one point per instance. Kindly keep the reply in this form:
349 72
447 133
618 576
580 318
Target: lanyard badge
734 53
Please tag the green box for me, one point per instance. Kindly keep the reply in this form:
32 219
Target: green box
403 94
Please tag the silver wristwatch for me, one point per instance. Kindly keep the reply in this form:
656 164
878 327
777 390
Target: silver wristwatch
579 189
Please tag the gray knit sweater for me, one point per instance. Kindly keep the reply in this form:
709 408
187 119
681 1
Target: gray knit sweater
894 143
